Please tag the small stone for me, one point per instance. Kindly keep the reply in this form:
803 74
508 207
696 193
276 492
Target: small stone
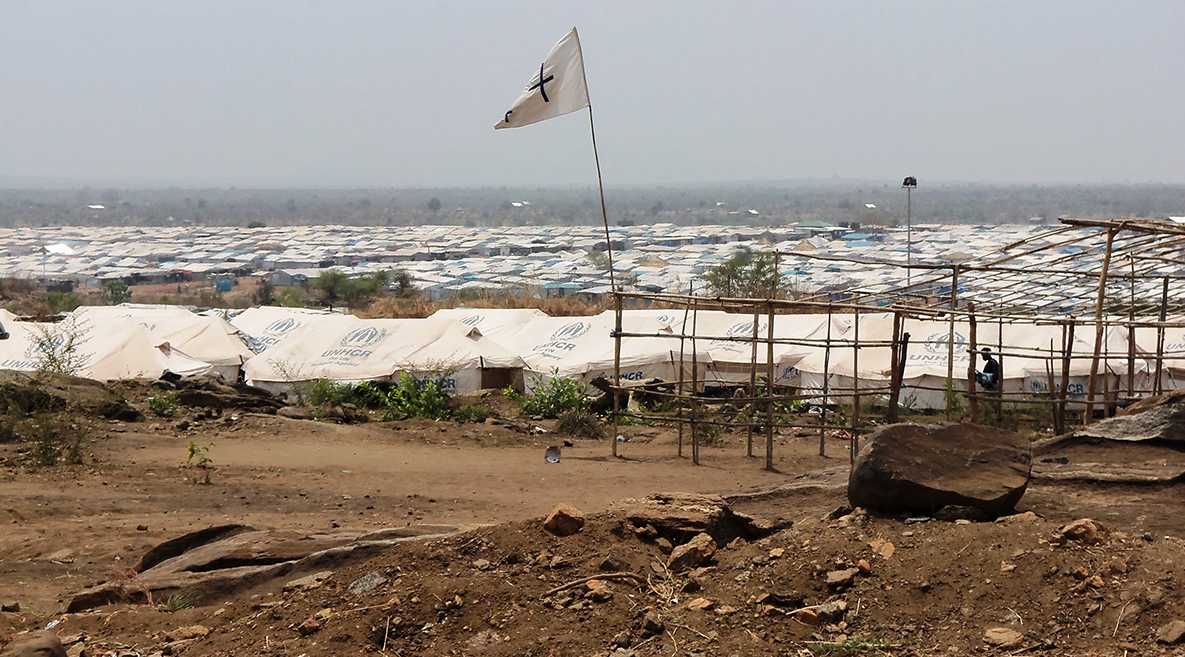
693 553
612 564
832 612
777 553
367 583
1171 633
1002 637
310 626
652 624
187 633
882 547
598 590
65 555
141 528
701 604
482 564
11 606
725 610
841 579
1085 531
1018 518
308 582
806 616
564 520
664 545
863 566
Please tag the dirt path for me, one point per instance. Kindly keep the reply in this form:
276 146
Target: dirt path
72 526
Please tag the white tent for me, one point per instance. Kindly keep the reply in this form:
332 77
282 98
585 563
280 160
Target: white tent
352 349
208 339
267 326
117 349
730 344
492 322
582 348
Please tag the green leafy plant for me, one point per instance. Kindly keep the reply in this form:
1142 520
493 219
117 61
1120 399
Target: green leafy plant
471 413
411 398
164 405
198 456
555 397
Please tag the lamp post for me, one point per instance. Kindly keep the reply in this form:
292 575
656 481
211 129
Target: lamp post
909 184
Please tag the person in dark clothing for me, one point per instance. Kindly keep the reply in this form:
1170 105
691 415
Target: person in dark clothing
989 378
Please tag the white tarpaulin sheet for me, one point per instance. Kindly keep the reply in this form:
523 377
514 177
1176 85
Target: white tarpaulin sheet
492 322
380 349
116 349
267 326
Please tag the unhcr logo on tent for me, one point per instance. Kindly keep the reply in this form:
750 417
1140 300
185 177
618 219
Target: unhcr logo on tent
356 344
571 331
936 348
281 326
561 339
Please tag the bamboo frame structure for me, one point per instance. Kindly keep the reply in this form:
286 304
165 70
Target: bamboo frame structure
1061 278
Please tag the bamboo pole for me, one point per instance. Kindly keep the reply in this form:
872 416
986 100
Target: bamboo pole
972 401
1067 351
1000 355
694 386
1092 382
1131 334
950 344
894 384
752 387
679 408
616 369
769 390
854 444
1052 387
826 388
1157 385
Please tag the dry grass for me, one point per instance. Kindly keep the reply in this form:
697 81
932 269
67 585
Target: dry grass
390 307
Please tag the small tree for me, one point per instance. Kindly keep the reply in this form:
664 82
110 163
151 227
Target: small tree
59 351
265 293
403 284
434 205
746 274
117 292
333 286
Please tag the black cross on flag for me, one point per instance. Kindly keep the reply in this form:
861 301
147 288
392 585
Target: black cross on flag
557 88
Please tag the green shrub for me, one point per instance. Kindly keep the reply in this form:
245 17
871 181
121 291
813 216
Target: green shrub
580 424
411 398
556 397
471 413
323 392
54 440
164 405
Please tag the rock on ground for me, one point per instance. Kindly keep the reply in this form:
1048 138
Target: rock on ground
692 554
914 468
1171 633
1085 531
564 520
37 644
1003 637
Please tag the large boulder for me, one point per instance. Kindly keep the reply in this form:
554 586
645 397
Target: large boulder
36 644
915 468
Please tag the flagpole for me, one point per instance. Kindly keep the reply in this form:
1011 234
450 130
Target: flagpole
592 129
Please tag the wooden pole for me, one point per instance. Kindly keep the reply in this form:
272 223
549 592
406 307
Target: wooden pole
826 387
1131 334
1000 355
894 384
1067 352
679 408
616 367
950 343
769 391
902 358
972 402
752 387
694 385
854 444
1157 386
1092 382
1052 387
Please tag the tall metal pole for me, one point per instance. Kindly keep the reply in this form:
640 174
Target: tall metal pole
592 129
908 236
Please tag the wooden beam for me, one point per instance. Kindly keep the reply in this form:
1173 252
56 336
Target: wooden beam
1092 382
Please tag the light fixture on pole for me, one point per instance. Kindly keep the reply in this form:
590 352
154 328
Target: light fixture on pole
909 184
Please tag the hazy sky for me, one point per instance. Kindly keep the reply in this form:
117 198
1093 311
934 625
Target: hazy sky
395 93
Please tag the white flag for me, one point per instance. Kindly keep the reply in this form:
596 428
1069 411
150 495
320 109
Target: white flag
556 88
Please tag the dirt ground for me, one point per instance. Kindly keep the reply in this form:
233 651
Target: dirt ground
70 527
298 474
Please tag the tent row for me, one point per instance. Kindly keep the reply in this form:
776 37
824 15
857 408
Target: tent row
473 349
